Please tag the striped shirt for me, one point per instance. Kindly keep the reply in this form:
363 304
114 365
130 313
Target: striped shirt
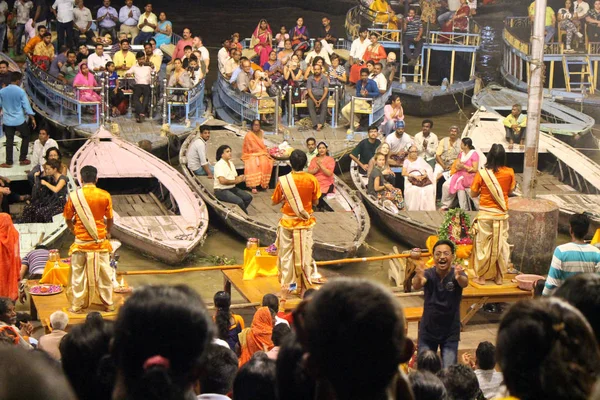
571 259
36 261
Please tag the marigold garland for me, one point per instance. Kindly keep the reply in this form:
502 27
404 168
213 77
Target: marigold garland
456 217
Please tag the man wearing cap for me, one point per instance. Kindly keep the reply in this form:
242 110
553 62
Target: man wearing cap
399 142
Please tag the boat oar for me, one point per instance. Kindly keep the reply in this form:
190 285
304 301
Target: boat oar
181 270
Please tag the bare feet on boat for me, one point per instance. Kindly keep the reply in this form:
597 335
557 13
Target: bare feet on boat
319 127
499 281
75 311
254 191
511 145
479 280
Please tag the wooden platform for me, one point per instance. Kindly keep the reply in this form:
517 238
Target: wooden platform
42 307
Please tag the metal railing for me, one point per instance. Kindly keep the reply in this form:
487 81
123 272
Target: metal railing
371 106
333 102
190 99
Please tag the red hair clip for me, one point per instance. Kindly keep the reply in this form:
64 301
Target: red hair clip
156 360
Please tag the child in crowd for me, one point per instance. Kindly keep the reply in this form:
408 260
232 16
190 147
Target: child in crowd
115 93
281 37
235 41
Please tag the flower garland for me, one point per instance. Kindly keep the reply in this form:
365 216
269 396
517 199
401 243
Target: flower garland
455 227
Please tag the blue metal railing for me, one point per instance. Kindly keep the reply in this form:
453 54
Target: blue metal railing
190 99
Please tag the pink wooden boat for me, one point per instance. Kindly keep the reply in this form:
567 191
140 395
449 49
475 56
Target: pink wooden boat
155 209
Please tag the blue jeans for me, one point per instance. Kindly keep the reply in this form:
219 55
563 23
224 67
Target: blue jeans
143 37
235 196
550 31
201 172
18 37
449 350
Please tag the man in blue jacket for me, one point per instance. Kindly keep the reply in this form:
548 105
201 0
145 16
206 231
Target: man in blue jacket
15 109
365 88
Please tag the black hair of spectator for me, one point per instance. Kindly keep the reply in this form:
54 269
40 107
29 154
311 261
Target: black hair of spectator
486 355
579 224
280 332
429 360
460 382
220 366
426 386
293 380
256 379
298 160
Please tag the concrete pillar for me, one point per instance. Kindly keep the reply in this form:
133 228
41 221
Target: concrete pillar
533 227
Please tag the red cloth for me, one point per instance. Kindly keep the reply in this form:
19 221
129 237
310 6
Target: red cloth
10 260
258 336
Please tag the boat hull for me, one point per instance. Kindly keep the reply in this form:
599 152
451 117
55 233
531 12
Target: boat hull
425 101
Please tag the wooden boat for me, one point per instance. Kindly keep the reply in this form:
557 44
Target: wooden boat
566 124
422 87
155 210
338 234
410 227
571 78
566 176
30 234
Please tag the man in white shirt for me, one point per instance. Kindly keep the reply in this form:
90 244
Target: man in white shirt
40 146
129 15
359 46
379 78
581 9
82 22
318 51
97 61
196 155
63 11
3 14
311 146
197 45
222 55
142 74
22 8
427 142
107 19
147 23
399 141
453 5
232 63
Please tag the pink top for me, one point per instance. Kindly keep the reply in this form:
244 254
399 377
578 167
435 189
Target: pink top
392 114
178 53
325 181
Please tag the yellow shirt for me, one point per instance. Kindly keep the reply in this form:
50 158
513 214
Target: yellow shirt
549 13
41 49
308 188
100 204
510 120
119 59
151 20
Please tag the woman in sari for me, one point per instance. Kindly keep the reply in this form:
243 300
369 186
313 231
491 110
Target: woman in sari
85 79
322 167
229 325
300 36
10 260
419 190
465 167
458 22
384 15
493 184
258 336
374 51
261 41
258 165
163 30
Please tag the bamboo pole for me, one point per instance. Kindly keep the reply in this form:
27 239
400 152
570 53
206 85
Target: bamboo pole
365 259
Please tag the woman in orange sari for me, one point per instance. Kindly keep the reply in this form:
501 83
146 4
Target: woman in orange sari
10 260
257 163
374 52
258 336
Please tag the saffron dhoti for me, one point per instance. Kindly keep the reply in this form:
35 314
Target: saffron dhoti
91 279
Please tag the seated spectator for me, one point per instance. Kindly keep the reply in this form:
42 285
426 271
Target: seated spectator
460 382
258 336
515 125
40 147
244 77
232 63
141 90
204 56
97 61
292 70
107 18
490 380
364 88
393 112
462 174
389 69
550 21
567 21
83 53
261 41
58 62
49 343
280 332
583 292
365 150
84 356
388 174
154 61
259 85
282 37
294 382
195 71
187 53
318 51
124 59
337 324
30 46
256 379
69 69
399 142
327 36
426 386
84 82
49 195
300 36
43 53
34 262
147 24
219 369
235 41
381 189
379 78
229 325
179 77
413 35
322 166
164 30
115 93
272 302
162 362
287 50
429 361
336 72
53 153
573 258
593 22
303 63
226 179
270 61
82 22
32 375
546 350
197 161
317 86
8 319
308 72
223 55
419 190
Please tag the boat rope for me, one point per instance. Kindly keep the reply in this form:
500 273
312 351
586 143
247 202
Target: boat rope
370 247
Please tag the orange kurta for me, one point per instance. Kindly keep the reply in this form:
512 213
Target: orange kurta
506 178
257 163
100 203
10 260
308 188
